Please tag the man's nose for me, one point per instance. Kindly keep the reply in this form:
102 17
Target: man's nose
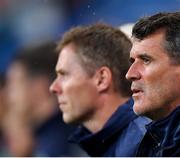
133 73
54 87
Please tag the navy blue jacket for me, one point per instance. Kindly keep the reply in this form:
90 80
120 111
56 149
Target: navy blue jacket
162 137
119 137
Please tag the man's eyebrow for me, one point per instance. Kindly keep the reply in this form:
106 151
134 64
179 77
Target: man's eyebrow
60 71
144 56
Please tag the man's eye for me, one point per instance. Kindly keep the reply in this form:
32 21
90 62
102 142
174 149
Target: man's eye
61 73
146 61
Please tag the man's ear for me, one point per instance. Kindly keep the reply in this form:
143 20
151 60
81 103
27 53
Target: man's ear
103 78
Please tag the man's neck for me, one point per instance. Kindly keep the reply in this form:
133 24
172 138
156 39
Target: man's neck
162 113
107 106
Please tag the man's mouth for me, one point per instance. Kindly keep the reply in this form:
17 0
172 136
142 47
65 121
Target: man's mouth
61 103
136 92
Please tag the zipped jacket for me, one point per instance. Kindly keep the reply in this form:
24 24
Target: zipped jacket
120 136
162 138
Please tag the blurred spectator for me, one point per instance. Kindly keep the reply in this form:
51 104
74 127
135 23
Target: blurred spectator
33 124
2 98
3 111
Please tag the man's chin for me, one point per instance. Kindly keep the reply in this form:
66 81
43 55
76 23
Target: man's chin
137 111
69 121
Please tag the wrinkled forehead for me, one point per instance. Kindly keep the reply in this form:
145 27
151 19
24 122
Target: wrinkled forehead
151 44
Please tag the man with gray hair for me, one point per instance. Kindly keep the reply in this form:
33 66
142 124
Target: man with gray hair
155 76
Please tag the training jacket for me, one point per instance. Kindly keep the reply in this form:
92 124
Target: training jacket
120 136
162 137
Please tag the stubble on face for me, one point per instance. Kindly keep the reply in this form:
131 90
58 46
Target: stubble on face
158 84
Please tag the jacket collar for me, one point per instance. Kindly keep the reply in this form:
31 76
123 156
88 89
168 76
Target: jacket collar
100 140
165 128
